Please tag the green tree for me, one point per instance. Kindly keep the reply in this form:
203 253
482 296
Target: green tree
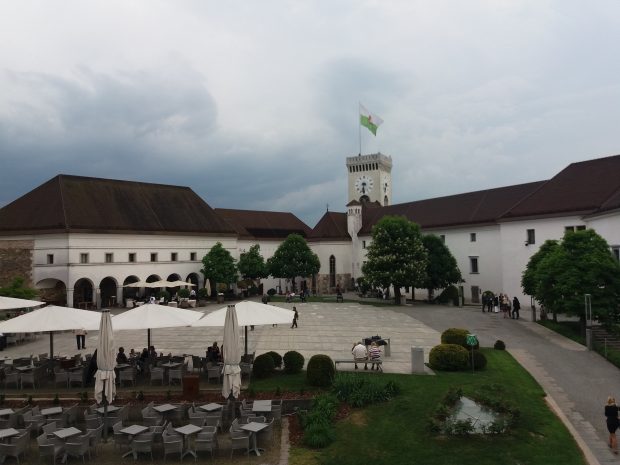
441 269
252 265
396 255
581 264
218 267
18 290
530 279
293 258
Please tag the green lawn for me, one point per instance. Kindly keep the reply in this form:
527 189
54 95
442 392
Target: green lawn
396 433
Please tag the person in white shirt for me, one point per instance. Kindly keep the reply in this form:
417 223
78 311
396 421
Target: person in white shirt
360 354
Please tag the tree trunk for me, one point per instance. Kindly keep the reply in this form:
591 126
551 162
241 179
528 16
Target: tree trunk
397 295
430 295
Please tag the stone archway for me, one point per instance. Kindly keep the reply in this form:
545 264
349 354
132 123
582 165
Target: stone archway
83 293
52 291
130 292
107 288
194 279
173 277
152 291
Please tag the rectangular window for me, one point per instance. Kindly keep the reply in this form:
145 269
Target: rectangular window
569 228
616 251
443 238
50 258
132 257
531 236
473 264
153 256
580 228
83 258
109 258
192 256
174 257
363 244
472 237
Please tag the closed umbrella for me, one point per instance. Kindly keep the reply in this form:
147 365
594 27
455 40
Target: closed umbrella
232 355
249 313
152 316
105 386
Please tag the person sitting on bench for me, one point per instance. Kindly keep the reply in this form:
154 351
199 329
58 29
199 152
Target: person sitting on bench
360 354
374 354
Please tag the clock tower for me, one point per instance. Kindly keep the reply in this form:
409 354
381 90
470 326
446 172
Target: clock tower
370 178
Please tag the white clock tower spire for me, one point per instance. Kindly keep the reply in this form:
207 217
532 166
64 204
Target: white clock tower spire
370 178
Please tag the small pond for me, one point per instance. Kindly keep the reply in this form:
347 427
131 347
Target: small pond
479 416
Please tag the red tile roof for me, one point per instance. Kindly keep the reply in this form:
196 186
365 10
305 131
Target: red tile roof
263 224
333 225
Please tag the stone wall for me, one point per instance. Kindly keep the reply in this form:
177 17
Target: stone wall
16 260
322 283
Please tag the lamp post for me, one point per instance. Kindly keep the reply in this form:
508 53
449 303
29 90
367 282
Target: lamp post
588 314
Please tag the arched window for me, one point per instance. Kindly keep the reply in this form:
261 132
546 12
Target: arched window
332 271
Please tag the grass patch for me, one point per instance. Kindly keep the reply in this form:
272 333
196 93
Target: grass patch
283 381
396 432
569 329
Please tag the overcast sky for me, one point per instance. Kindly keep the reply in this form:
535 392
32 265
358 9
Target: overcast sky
254 105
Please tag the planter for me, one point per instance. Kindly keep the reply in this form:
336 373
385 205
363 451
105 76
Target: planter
191 387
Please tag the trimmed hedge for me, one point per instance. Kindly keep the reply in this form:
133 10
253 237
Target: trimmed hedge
263 366
320 371
457 336
293 362
277 358
448 357
499 345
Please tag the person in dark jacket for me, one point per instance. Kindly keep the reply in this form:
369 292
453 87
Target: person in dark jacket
516 305
611 418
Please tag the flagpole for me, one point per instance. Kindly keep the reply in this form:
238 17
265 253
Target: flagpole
359 126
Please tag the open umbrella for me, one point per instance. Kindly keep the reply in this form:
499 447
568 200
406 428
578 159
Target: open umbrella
249 313
11 303
152 316
50 319
105 386
154 284
231 371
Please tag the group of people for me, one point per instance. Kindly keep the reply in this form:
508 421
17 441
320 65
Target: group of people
365 355
142 360
495 303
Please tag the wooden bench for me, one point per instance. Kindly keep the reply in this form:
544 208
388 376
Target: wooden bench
377 362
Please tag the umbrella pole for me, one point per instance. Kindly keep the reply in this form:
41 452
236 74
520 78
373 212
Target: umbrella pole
246 340
148 338
105 414
51 352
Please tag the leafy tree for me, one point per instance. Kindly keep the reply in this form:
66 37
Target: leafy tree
18 290
218 267
530 279
442 269
581 264
396 255
293 258
252 265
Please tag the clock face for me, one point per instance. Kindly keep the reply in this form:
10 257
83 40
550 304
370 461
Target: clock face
363 184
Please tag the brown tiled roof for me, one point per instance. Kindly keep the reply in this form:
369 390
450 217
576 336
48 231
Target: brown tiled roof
333 225
263 224
470 208
75 203
586 187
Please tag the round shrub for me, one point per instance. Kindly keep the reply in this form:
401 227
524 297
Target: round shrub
293 362
277 358
320 371
164 294
263 366
183 293
271 292
203 293
448 357
449 295
480 361
499 345
319 435
456 336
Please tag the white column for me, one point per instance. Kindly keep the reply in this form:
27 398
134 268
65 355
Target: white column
69 297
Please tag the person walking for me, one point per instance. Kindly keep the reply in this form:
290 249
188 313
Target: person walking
295 317
484 302
80 338
516 306
611 415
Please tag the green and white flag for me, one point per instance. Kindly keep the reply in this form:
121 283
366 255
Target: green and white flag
368 120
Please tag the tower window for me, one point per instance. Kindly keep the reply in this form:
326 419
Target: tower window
50 258
473 265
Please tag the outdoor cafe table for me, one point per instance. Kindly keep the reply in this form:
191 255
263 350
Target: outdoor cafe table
7 433
65 433
111 408
165 409
132 431
46 412
253 428
261 406
187 431
5 412
212 407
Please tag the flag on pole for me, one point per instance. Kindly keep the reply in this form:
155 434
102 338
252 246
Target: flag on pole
368 120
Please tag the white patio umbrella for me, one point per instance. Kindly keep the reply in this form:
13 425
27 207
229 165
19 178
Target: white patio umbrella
105 386
50 319
249 313
154 284
232 355
179 283
153 316
11 303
